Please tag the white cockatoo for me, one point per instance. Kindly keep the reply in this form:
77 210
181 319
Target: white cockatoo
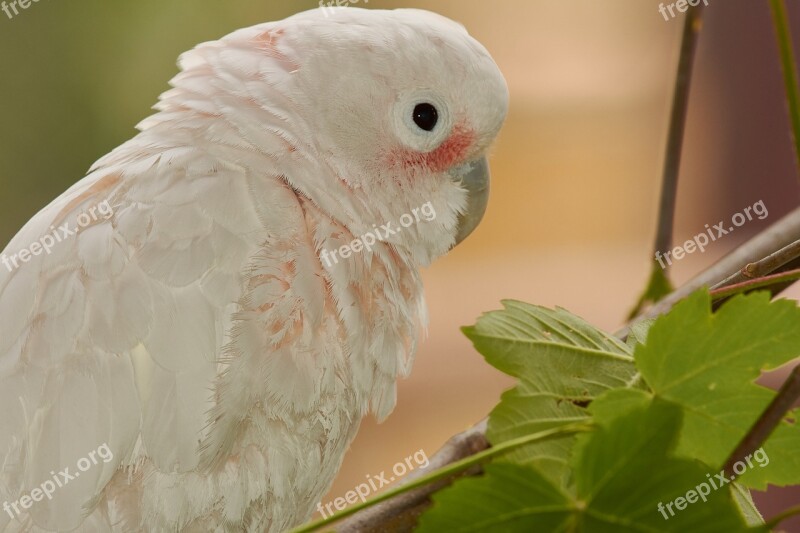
175 354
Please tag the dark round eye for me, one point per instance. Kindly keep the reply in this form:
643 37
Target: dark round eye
426 116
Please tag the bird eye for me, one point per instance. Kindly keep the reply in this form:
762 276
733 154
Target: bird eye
425 116
421 119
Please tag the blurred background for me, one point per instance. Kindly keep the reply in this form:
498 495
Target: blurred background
576 171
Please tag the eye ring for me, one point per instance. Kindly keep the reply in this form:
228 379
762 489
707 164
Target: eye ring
425 116
421 119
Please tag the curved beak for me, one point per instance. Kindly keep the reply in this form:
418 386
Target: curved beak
474 177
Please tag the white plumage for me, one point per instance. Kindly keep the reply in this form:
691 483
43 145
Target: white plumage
194 330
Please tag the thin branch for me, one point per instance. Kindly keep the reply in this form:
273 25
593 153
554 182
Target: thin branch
658 284
781 20
783 402
677 127
760 268
779 235
726 291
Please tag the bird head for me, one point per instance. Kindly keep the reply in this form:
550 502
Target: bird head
380 115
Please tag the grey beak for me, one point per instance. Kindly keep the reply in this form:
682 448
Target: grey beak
474 177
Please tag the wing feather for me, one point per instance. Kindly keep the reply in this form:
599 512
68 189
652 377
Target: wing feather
114 337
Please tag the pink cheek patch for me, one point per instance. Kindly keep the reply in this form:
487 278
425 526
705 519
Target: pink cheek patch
451 152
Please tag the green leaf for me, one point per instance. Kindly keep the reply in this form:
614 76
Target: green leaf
508 497
618 402
707 363
635 490
562 363
614 491
638 332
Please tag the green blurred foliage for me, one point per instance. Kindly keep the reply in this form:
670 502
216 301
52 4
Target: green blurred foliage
77 76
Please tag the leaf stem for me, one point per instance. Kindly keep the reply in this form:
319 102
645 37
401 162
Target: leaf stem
766 265
677 127
781 20
449 470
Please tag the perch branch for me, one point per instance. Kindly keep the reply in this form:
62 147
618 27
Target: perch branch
401 513
446 473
